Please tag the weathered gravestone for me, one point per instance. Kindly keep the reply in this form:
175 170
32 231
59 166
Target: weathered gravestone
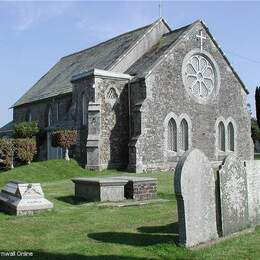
253 189
233 195
195 192
23 198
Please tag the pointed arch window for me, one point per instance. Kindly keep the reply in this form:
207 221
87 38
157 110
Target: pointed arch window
50 117
172 135
221 136
184 135
111 94
29 116
84 109
231 137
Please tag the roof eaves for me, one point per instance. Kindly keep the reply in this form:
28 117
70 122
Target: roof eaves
43 97
100 73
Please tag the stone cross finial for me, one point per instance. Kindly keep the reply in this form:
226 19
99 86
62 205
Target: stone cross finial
201 37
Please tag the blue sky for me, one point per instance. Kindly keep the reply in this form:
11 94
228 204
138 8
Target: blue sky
35 35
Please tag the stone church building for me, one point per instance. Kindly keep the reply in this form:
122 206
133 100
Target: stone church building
141 99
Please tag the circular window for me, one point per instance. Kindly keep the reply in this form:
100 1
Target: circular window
200 76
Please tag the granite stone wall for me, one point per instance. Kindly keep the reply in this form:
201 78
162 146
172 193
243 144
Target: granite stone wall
103 140
165 93
83 91
114 131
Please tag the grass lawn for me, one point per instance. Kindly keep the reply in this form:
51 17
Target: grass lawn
86 231
257 156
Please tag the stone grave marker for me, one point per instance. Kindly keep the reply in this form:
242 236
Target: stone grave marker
23 198
99 189
194 186
253 189
233 195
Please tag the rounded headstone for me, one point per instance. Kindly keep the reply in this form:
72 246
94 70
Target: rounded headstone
195 192
233 195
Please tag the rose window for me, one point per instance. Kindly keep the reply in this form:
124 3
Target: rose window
199 76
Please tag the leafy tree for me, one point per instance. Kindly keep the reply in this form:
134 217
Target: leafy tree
257 105
7 149
65 139
26 149
255 131
26 129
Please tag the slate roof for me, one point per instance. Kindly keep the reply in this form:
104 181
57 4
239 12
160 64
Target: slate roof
102 56
57 80
147 61
7 129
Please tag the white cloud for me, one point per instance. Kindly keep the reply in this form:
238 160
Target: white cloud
27 14
102 28
82 23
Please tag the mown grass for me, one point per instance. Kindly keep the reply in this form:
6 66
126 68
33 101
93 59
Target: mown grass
257 156
86 231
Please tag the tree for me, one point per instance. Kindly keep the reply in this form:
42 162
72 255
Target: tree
255 131
257 105
26 149
7 149
26 129
65 139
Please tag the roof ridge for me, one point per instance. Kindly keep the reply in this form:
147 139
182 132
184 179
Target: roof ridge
180 28
165 53
106 41
148 29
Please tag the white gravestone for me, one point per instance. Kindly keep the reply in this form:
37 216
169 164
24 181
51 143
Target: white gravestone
23 198
194 186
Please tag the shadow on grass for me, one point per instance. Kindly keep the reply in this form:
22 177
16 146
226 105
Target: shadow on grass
48 255
172 228
133 239
71 200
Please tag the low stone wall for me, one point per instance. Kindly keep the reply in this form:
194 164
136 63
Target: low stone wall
142 189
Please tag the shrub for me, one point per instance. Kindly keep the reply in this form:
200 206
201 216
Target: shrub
7 153
26 130
65 139
26 149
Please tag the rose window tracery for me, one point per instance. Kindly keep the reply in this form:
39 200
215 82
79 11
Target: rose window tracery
200 76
